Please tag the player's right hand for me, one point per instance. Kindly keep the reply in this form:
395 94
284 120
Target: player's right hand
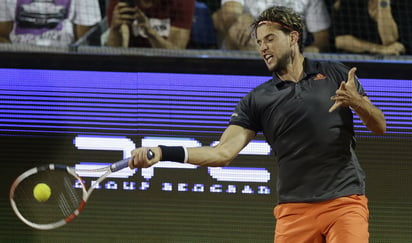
139 158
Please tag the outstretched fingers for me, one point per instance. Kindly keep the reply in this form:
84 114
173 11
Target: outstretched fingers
336 97
335 106
344 88
351 76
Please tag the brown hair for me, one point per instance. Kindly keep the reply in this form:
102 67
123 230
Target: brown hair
287 19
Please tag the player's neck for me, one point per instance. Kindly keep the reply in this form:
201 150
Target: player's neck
294 71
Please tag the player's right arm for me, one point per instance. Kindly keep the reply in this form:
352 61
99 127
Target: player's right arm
232 141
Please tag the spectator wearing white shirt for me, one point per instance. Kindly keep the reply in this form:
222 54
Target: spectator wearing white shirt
47 22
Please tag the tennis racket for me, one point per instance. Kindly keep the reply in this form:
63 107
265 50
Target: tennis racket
68 195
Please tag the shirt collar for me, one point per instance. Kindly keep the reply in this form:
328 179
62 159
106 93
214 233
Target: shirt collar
310 67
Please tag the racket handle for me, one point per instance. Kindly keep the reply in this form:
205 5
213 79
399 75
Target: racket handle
125 162
150 154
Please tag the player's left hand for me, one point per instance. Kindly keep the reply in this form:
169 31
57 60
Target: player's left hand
347 94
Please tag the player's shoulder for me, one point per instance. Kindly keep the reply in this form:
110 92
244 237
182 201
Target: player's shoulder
335 71
331 66
258 91
263 86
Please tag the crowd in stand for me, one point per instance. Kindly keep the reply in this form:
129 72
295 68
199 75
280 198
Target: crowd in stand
338 26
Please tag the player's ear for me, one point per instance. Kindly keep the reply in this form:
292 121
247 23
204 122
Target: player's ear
294 37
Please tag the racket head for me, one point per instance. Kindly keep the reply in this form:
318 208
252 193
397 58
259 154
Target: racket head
68 196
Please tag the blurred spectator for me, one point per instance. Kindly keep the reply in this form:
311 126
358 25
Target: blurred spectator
233 19
47 22
203 33
213 5
103 7
366 26
402 13
150 23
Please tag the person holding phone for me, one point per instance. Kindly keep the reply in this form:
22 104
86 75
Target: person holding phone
150 23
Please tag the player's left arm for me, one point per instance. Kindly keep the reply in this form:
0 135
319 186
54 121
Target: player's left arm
348 96
370 115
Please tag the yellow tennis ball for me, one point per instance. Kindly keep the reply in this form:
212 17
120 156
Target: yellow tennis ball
41 192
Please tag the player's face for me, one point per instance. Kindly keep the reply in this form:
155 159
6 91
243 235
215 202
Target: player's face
274 47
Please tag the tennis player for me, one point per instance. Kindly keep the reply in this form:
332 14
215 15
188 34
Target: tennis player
306 114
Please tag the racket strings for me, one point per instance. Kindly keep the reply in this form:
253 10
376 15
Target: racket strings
70 198
65 197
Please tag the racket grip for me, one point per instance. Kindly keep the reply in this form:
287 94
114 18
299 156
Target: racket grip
125 162
150 154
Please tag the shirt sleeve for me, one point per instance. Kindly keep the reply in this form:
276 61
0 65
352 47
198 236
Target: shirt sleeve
87 12
6 11
317 16
243 115
109 12
183 16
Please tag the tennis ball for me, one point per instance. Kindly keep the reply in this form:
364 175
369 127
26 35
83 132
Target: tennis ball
41 192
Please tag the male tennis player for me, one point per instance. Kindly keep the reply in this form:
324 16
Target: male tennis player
305 113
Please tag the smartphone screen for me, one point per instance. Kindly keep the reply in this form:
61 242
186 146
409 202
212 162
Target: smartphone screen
131 3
